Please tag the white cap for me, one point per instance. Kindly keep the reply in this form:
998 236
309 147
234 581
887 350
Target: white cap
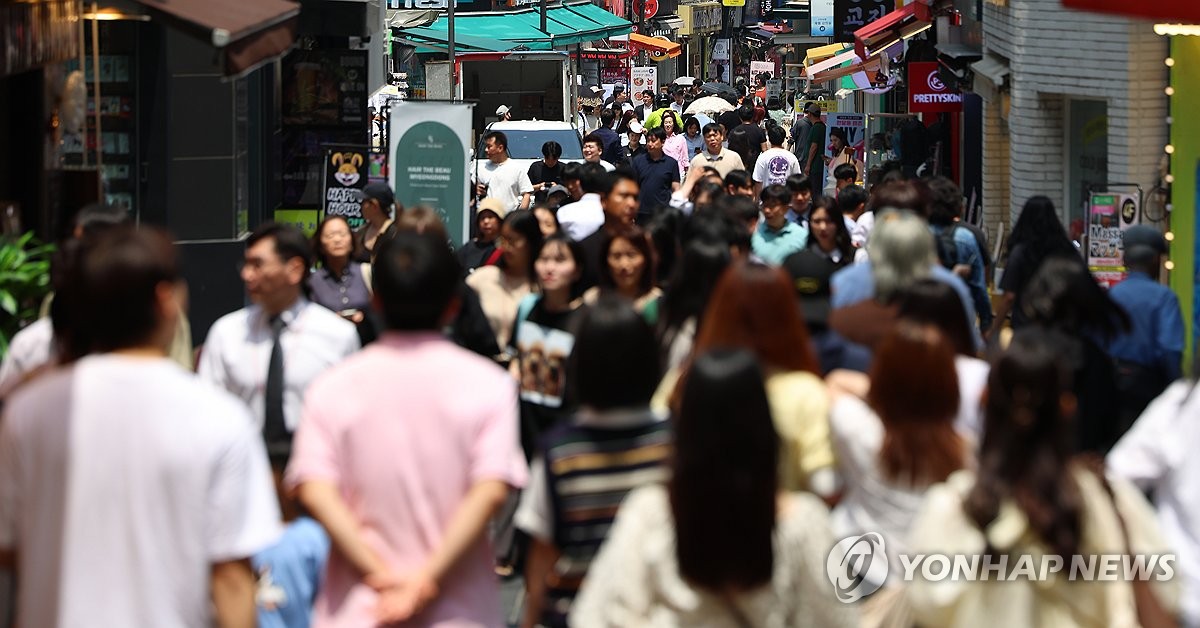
626 107
501 110
636 127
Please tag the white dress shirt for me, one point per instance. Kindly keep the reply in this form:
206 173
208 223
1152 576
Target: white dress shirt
237 354
1157 454
583 217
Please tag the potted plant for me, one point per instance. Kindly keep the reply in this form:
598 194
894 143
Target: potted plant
24 283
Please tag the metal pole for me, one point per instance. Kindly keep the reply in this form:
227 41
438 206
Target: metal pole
96 100
450 40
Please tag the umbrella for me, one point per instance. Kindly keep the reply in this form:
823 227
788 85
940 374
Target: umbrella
719 89
709 104
684 80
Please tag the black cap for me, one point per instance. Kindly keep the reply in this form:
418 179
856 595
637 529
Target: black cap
810 276
812 108
1147 236
379 192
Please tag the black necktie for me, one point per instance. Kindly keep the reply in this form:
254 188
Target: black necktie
275 431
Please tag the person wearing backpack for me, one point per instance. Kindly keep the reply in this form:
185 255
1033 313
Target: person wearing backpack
957 247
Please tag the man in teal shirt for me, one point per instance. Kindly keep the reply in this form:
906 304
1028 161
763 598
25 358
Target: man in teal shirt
776 237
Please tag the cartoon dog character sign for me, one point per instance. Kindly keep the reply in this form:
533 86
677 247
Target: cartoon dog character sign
347 165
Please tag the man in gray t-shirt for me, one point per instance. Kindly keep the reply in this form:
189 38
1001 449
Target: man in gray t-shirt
799 133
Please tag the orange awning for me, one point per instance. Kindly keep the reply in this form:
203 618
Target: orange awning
654 44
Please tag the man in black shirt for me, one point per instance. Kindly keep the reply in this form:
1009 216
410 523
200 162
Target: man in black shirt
547 172
619 200
657 175
747 139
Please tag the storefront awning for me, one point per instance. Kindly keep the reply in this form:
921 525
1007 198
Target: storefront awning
991 68
429 39
653 44
869 67
247 33
617 25
568 25
881 34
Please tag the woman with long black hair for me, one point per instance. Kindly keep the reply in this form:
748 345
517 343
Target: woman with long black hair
1030 497
1037 236
720 544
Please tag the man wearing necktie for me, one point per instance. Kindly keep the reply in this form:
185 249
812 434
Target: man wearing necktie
267 354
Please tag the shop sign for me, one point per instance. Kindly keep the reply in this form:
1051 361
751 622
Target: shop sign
733 3
428 150
851 15
644 78
346 170
827 106
759 67
927 93
397 5
649 8
820 18
699 19
721 50
1109 215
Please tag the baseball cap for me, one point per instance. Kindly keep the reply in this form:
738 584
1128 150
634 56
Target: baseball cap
810 275
501 110
618 88
813 109
380 192
555 189
492 204
1147 236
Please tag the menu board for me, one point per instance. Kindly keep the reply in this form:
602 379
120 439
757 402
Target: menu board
325 88
851 15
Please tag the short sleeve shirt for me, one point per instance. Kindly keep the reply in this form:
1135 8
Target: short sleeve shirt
655 179
775 166
403 468
505 181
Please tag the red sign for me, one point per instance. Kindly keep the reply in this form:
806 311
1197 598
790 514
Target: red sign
649 7
927 93
1162 10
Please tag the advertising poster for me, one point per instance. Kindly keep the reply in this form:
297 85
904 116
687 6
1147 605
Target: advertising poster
429 143
644 78
325 88
346 174
855 126
759 67
1109 215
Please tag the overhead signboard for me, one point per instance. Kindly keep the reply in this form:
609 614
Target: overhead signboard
820 18
851 15
928 93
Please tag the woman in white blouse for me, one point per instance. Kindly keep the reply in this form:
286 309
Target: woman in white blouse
720 545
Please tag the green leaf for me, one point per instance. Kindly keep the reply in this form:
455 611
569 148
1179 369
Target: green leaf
8 303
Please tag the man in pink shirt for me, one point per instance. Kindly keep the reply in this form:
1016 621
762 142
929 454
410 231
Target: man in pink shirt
405 452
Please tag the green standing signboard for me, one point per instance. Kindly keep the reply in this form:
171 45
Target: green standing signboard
429 160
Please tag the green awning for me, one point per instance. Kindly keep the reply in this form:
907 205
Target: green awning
615 25
568 24
463 43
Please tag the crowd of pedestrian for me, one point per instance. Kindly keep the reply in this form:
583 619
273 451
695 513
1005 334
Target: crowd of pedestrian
659 404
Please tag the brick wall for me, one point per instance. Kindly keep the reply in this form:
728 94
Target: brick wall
1057 54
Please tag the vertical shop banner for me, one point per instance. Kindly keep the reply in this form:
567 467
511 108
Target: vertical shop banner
346 174
927 93
820 18
428 165
644 78
851 15
760 67
1109 215
855 126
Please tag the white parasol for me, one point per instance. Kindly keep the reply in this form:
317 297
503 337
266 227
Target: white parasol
709 104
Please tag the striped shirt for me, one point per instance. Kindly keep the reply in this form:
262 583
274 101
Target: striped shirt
590 464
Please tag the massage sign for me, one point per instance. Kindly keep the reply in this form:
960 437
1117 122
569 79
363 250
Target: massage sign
928 93
345 178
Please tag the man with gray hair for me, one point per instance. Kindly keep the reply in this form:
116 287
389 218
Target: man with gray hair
902 252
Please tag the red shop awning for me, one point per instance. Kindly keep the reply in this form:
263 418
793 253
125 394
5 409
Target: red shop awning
881 34
1167 10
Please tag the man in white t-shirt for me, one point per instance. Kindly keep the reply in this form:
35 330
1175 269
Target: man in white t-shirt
776 164
500 177
132 492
